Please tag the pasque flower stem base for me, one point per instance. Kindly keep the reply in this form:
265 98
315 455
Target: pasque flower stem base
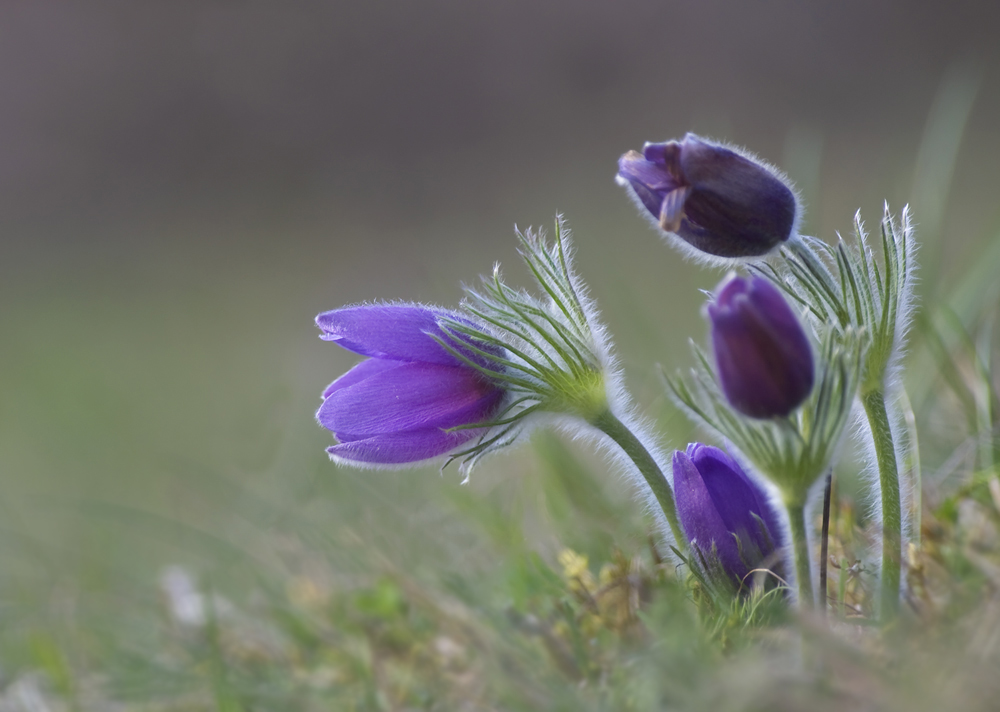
888 477
800 551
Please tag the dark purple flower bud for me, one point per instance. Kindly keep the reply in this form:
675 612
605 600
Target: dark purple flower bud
762 355
726 516
719 201
396 406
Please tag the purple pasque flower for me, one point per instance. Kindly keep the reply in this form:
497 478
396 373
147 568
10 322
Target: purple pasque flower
762 356
717 200
397 406
726 516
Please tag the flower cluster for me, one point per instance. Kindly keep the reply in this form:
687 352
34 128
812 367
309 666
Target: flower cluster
810 329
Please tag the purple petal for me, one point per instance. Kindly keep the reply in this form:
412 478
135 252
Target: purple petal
666 153
763 358
718 169
651 200
736 496
399 332
636 169
767 299
408 397
400 448
737 207
750 366
732 286
360 372
700 519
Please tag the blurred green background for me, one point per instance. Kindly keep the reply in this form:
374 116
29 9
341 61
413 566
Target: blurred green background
184 185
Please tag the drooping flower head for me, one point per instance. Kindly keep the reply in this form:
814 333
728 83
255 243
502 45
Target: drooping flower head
762 356
726 516
467 383
402 404
717 200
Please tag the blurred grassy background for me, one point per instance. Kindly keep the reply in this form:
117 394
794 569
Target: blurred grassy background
183 186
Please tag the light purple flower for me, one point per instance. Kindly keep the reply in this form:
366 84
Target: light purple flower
762 355
396 407
725 515
717 200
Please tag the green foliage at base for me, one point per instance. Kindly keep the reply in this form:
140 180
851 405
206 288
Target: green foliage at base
568 603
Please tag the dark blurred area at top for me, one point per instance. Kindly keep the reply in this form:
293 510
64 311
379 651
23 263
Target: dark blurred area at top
399 112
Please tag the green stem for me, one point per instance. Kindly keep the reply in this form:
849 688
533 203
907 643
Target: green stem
607 423
888 477
800 550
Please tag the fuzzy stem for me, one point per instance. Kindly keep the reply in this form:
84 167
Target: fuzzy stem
611 426
800 552
888 477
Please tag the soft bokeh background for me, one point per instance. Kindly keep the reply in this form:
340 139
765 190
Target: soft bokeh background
184 185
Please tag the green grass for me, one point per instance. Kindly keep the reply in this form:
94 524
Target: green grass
547 592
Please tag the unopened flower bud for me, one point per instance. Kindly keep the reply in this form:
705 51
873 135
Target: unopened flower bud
717 200
725 515
763 358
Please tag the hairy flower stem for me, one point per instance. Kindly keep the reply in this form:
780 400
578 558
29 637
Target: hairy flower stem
800 550
615 429
888 477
